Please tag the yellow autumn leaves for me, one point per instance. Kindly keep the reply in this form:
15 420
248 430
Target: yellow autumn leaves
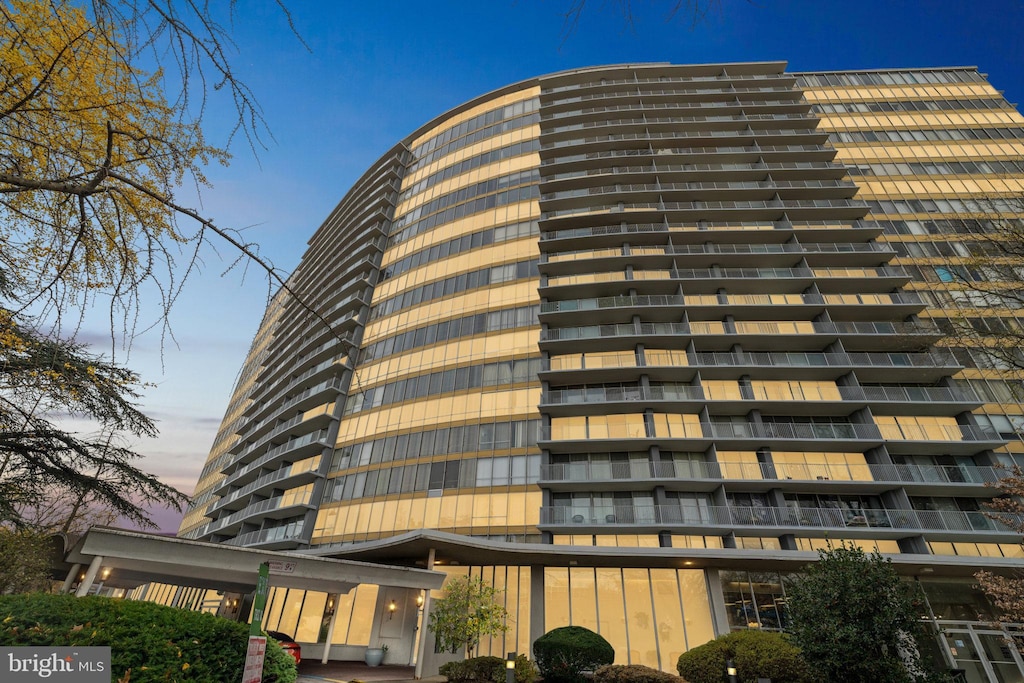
90 154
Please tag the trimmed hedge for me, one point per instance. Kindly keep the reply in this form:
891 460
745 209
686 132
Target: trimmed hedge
570 653
156 643
633 673
755 653
487 670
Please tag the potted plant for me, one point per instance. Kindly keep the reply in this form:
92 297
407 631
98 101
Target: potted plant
375 655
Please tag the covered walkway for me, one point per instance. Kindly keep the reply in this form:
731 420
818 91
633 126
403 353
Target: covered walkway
131 558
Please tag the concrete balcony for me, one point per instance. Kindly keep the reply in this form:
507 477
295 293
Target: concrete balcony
267 539
664 117
573 100
698 476
803 135
785 436
718 154
922 400
278 507
289 476
791 365
299 424
891 367
955 439
797 335
865 523
684 398
301 447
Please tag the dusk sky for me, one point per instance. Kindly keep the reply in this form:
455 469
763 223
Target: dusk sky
374 72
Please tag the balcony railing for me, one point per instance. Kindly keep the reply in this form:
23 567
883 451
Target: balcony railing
681 134
792 431
604 394
647 169
319 436
811 359
729 104
753 151
909 394
766 185
727 517
293 470
611 302
276 503
276 535
787 327
797 472
601 394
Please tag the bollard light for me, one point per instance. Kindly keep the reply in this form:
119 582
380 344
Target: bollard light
510 668
730 670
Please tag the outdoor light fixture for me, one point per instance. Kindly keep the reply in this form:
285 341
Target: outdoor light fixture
392 606
730 670
419 600
510 668
106 573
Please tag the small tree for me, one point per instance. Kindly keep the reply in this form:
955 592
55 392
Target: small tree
468 611
855 620
1007 592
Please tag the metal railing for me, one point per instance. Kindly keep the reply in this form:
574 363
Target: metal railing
319 436
771 517
602 394
743 328
276 535
815 359
797 472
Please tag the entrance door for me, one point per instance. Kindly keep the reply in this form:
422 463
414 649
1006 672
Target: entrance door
1003 657
985 656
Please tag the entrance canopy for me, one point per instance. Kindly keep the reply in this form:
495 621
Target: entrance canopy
126 559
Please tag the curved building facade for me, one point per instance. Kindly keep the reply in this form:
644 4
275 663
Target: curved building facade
631 341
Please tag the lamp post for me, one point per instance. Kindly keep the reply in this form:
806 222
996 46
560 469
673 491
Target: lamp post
730 670
510 668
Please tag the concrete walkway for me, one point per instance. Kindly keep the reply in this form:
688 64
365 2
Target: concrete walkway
315 672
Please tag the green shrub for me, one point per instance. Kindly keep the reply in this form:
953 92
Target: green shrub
755 653
475 670
487 670
633 673
567 654
156 643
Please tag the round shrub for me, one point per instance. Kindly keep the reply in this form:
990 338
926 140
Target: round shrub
568 654
156 643
756 654
487 670
633 673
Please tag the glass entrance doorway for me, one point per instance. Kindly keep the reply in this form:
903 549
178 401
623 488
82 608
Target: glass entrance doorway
983 654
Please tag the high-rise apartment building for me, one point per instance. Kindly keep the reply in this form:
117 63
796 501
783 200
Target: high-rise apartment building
630 341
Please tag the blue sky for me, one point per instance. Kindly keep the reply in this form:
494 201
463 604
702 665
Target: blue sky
377 71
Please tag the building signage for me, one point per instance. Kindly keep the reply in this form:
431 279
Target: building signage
281 567
55 664
253 672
